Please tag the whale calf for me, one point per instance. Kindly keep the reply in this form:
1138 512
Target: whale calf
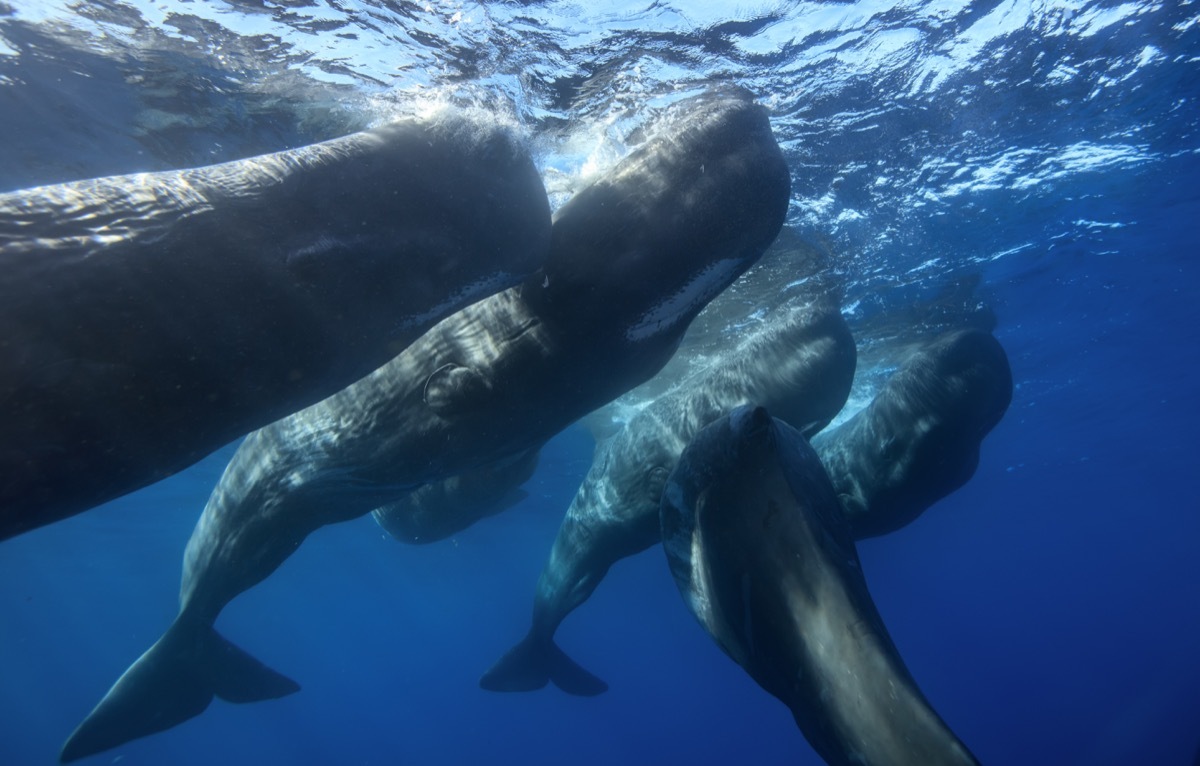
764 559
633 258
918 440
801 361
152 318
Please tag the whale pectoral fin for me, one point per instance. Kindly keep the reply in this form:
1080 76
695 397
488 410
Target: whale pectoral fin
532 664
173 681
453 389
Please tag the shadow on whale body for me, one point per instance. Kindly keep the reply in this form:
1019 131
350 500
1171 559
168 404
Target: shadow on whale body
152 318
633 258
801 360
763 557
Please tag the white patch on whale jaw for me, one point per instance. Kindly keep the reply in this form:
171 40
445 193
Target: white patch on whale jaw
693 296
464 296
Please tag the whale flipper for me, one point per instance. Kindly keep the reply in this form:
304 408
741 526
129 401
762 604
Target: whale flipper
173 681
532 663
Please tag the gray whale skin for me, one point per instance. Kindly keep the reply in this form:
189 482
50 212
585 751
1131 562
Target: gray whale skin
150 319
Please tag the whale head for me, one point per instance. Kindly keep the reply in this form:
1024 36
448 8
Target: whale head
641 251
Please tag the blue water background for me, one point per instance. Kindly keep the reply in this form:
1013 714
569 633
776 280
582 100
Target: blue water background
1046 155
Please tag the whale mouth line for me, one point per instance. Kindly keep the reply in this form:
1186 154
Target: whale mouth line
465 295
694 295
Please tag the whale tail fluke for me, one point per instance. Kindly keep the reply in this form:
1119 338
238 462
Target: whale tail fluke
173 681
533 663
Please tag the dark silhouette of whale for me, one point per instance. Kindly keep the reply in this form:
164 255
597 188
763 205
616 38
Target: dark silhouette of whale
764 559
633 258
150 319
800 360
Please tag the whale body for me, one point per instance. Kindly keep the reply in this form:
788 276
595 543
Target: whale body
919 438
764 559
150 319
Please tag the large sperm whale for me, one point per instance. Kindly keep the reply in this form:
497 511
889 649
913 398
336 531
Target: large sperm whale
633 259
916 442
764 559
150 319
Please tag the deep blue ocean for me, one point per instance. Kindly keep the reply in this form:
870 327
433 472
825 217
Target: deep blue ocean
1035 162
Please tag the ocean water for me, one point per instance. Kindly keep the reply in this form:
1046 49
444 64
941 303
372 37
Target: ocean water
1035 165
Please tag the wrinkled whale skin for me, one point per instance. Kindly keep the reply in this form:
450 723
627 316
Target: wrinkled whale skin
150 319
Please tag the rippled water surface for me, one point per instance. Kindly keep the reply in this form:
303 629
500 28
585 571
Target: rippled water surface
1028 166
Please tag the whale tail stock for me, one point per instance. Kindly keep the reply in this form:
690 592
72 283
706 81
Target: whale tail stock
533 663
173 681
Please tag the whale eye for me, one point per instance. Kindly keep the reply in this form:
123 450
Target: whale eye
656 480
